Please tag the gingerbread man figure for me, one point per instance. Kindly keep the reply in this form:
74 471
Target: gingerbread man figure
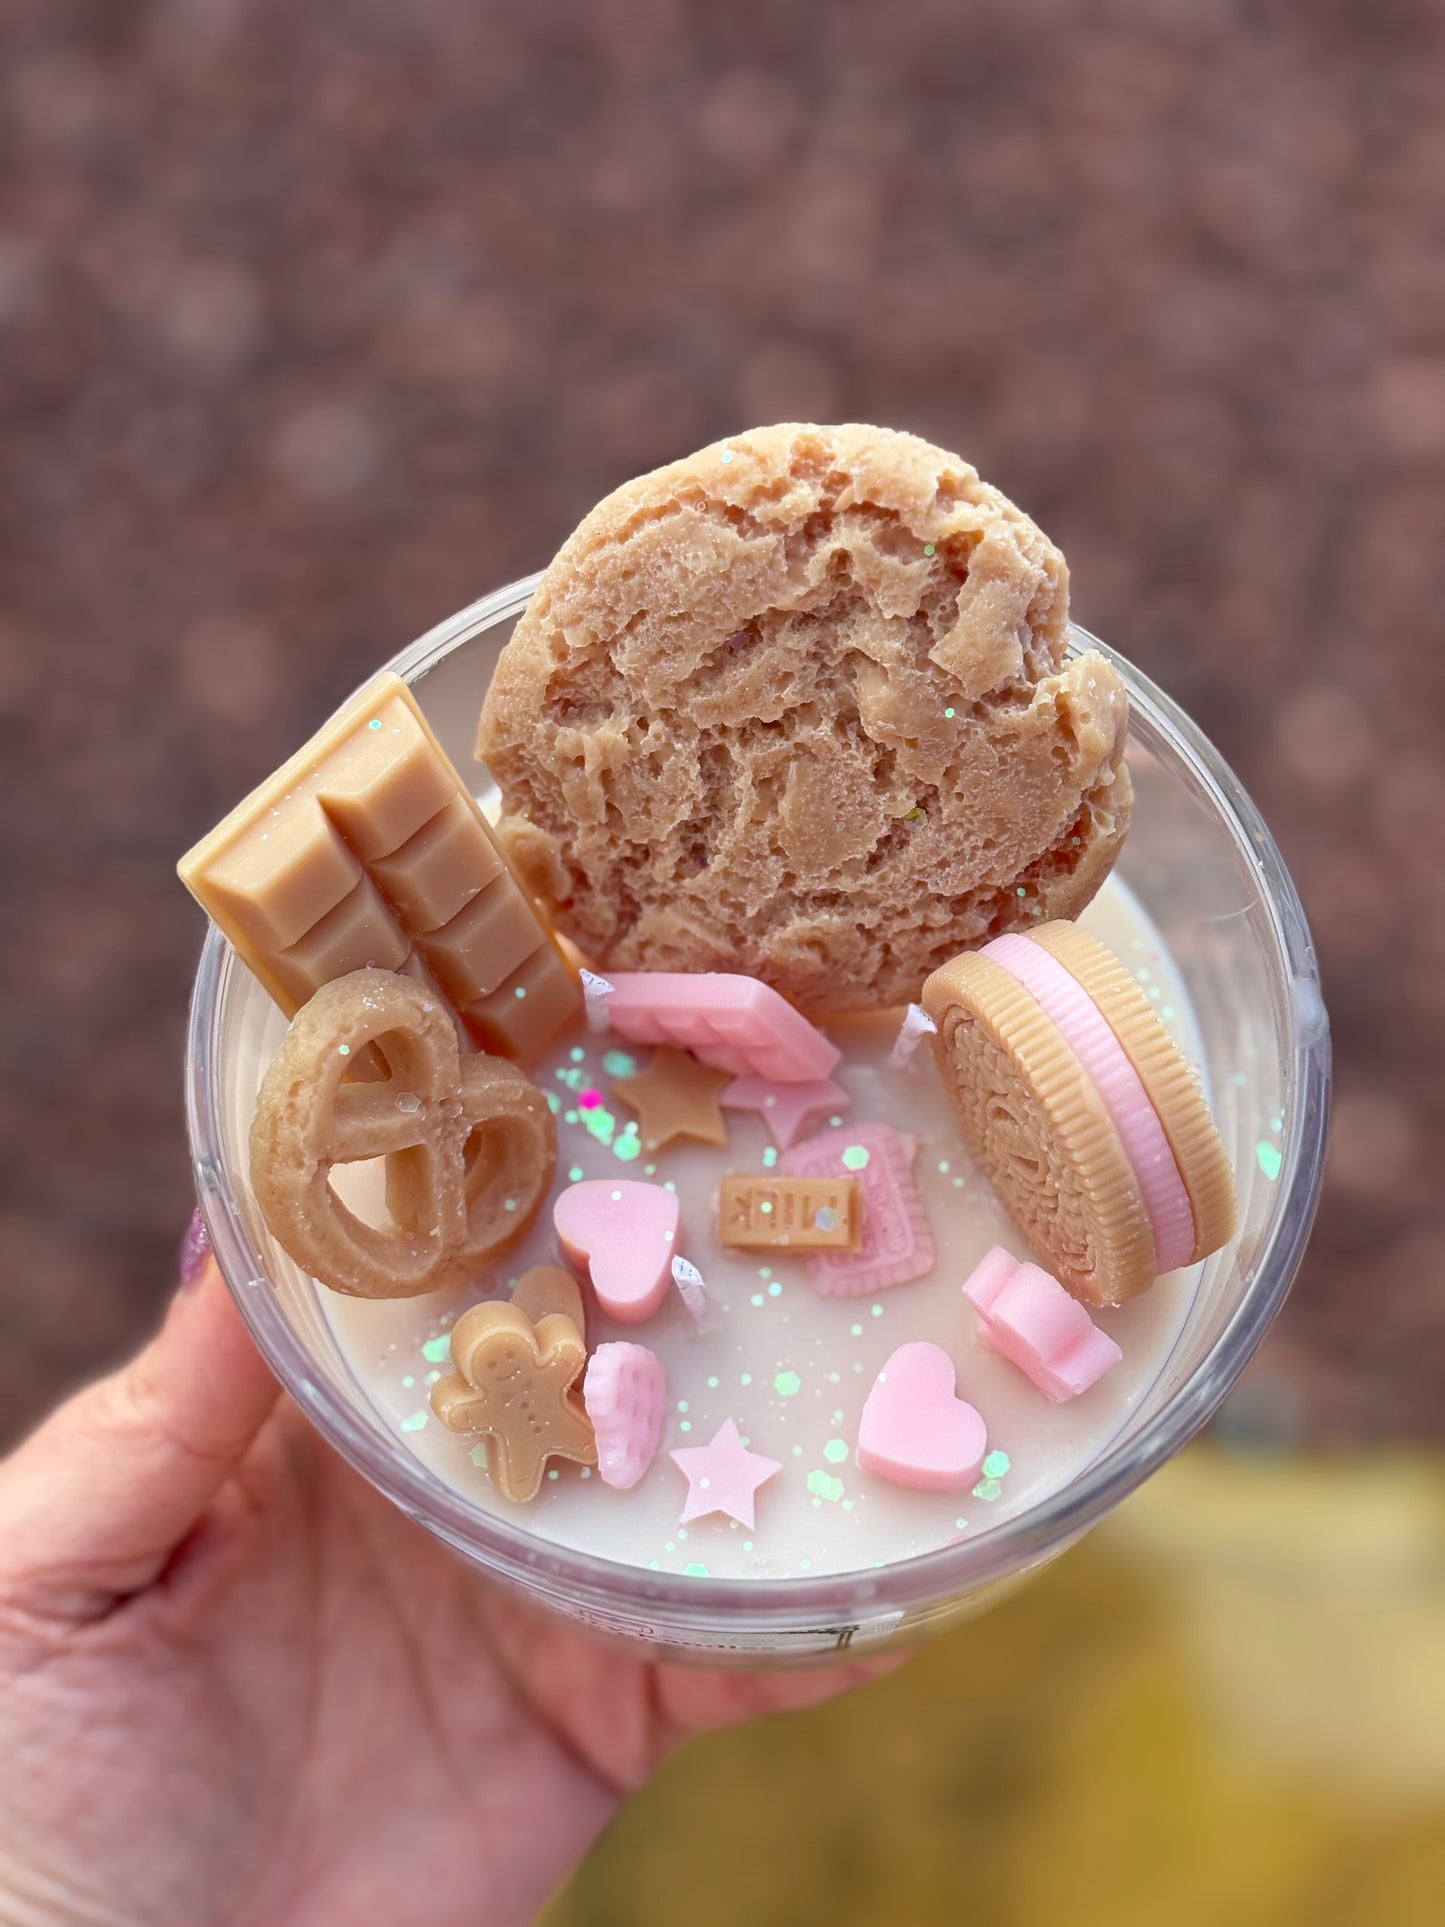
516 1383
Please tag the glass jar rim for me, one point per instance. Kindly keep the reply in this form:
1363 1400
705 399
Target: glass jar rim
780 1604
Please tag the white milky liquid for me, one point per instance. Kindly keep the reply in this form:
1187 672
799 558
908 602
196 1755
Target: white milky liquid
792 1368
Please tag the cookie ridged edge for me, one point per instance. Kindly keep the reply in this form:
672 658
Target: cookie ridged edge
1171 1085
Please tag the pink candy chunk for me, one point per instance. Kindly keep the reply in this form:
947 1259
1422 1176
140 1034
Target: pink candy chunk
915 1430
784 1108
732 1023
622 1234
625 1391
897 1243
1030 1319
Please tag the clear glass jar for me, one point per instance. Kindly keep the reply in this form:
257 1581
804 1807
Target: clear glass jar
1206 871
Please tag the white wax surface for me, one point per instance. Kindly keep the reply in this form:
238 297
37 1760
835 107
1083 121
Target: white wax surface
768 1325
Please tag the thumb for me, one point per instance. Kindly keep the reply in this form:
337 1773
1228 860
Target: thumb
94 1503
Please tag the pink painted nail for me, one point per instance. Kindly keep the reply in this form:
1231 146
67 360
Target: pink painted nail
915 1430
622 1233
897 1242
195 1249
732 1023
1028 1317
625 1392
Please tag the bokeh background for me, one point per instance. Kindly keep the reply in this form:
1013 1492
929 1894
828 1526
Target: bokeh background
318 321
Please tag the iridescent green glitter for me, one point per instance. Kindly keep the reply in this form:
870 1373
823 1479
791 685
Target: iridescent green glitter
857 1330
577 1053
757 1298
554 1103
996 1465
695 1569
414 1421
345 1049
617 1063
478 1455
950 713
855 1157
436 1350
375 723
408 1382
574 1176
786 1383
628 1146
1269 1159
823 1485
775 1290
929 549
836 1451
987 1489
770 1157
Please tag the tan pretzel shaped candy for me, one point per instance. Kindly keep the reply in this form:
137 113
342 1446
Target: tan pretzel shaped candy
518 1384
469 1142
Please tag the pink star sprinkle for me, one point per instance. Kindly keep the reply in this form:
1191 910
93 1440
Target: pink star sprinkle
723 1476
785 1108
589 1100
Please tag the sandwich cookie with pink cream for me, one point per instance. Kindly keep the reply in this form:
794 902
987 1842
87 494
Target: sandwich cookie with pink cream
1082 1111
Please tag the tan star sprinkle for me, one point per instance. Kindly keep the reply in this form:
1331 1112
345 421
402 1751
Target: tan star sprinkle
675 1097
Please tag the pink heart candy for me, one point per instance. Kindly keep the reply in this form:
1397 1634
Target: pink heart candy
622 1234
625 1391
915 1430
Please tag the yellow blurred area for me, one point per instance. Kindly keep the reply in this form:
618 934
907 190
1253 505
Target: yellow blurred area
1226 1706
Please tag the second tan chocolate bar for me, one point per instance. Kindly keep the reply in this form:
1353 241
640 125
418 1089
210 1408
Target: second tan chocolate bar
808 1214
367 850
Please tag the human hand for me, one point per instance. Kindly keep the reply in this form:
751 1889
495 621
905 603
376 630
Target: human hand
239 1686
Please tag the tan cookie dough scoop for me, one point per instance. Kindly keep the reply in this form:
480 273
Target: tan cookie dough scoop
1037 1123
798 706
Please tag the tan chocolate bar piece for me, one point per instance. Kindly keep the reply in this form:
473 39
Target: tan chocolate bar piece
367 849
808 1214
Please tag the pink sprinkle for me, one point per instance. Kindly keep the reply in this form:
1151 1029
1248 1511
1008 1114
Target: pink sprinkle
1028 1317
589 1100
915 1429
897 1241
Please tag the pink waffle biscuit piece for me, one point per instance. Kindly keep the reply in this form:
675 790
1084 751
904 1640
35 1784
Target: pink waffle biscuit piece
1030 1319
625 1392
897 1244
915 1429
622 1233
735 1024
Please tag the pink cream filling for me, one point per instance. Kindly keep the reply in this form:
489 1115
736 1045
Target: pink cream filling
1086 1031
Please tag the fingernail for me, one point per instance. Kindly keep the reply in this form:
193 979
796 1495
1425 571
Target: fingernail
195 1249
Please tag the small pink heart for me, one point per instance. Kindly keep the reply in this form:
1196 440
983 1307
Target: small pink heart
622 1233
915 1430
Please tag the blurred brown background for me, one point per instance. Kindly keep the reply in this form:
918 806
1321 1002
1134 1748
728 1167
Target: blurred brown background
315 322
